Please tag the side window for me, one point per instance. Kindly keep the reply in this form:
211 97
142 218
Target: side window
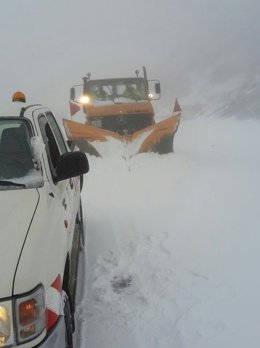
56 130
49 140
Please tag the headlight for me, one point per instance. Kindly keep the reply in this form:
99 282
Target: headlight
30 315
6 328
5 325
84 99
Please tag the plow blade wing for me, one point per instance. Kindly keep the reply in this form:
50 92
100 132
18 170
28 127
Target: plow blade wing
156 138
82 135
160 135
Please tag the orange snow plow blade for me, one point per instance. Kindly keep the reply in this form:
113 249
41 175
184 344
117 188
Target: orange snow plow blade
155 138
82 135
160 135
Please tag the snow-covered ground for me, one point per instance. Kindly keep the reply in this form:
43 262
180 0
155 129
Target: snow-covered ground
173 243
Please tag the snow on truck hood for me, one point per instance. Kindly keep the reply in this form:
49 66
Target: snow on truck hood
16 211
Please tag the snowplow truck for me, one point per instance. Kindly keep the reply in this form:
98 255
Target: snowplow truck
120 108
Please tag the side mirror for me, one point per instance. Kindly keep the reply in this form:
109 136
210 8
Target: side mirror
158 88
71 164
72 93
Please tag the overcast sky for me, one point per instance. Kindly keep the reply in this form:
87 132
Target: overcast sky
49 45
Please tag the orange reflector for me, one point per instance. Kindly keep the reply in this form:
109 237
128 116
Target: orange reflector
28 312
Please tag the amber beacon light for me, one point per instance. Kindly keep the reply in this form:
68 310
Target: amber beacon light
19 97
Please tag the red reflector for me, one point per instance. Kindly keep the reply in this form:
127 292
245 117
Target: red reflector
53 303
51 319
57 283
28 312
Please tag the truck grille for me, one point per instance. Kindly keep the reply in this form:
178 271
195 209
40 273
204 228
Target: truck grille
124 124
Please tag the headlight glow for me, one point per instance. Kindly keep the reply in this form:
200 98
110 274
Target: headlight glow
5 325
84 99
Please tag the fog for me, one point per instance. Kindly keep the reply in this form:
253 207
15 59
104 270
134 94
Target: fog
192 46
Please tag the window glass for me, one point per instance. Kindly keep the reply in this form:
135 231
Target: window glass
52 147
18 165
132 88
57 133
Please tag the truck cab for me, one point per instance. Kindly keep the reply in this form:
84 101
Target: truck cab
41 227
121 105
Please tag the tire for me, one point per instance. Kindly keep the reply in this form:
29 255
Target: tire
81 226
78 245
68 324
71 275
81 181
67 290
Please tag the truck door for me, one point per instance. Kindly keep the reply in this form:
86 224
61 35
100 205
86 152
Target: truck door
63 191
74 183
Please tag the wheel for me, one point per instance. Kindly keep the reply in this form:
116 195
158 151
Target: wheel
68 324
68 294
73 263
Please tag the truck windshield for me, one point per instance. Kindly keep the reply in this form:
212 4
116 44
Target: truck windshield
117 90
19 167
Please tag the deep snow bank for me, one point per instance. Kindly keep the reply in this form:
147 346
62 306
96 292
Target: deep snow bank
173 242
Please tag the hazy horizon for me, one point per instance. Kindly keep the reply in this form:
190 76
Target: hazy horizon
49 46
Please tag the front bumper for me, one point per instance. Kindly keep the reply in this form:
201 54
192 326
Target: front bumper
56 338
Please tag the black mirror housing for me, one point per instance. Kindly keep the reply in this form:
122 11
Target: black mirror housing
158 88
72 93
71 164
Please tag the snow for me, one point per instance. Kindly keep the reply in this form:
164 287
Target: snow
37 146
172 251
118 148
31 180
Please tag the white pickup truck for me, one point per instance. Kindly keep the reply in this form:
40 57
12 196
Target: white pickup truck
41 227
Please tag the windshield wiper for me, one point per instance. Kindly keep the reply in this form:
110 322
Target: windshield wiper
10 183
